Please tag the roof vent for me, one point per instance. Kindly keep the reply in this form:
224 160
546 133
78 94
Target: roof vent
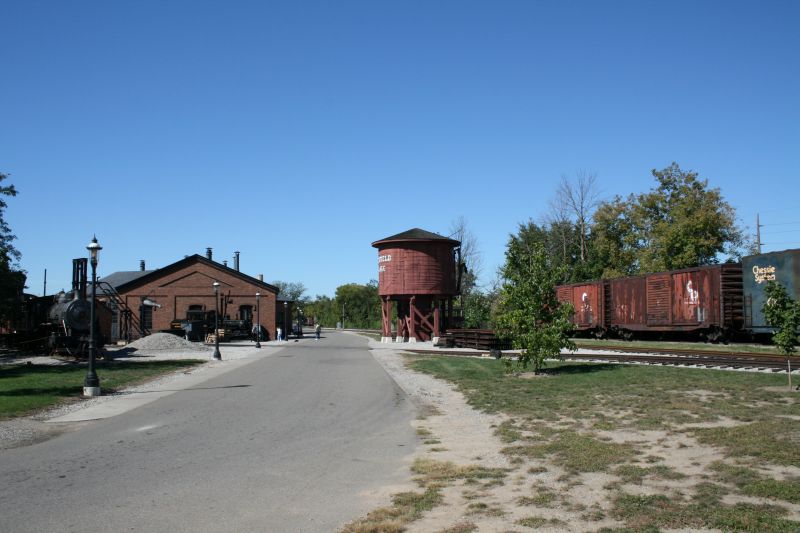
208 254
141 265
236 261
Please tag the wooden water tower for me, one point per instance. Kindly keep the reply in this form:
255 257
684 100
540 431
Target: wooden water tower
418 270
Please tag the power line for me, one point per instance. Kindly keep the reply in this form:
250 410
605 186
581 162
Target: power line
781 223
784 231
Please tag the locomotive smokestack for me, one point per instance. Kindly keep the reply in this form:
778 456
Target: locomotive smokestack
208 254
141 265
236 261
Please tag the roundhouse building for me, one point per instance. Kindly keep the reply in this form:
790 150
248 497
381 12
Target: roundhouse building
147 301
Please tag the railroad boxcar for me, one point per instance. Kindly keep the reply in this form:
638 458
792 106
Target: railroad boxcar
705 300
781 267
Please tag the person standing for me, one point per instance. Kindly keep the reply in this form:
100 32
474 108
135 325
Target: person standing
280 334
317 329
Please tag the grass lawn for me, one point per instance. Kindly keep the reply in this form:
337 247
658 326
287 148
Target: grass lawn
27 388
676 447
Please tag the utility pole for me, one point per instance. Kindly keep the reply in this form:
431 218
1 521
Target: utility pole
758 234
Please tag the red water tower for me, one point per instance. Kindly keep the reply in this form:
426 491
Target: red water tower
418 270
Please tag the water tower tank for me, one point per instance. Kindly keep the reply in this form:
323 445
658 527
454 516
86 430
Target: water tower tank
418 270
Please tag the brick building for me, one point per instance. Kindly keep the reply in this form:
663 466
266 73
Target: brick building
157 297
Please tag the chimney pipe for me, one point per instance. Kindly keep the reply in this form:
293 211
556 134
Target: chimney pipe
261 277
236 261
224 262
141 265
208 254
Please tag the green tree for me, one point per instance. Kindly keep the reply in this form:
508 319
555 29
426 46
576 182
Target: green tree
680 223
529 314
783 314
293 290
361 304
12 278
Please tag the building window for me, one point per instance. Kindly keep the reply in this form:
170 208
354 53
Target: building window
245 312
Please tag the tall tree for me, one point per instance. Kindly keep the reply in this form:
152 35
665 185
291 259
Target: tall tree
529 314
679 223
470 253
12 278
360 303
292 290
682 223
576 200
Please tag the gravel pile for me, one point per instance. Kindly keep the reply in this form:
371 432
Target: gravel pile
166 341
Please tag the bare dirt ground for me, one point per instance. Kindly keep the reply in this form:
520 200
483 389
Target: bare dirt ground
536 493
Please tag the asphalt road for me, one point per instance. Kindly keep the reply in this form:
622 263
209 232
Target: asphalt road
288 443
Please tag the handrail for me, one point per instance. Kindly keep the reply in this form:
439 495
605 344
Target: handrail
131 323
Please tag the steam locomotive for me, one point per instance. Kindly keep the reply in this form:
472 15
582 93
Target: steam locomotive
57 324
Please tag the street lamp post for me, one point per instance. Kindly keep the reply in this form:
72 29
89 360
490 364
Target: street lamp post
91 384
217 355
285 320
299 322
258 320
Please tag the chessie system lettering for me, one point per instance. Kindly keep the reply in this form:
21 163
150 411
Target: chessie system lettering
762 274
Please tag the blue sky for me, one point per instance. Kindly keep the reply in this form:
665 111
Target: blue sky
299 132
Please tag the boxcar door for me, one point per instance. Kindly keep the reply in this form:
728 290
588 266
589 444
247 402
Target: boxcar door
691 297
658 294
585 300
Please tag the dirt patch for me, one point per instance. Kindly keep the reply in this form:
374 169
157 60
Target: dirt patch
543 492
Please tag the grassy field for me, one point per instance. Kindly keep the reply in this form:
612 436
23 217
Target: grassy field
673 447
27 388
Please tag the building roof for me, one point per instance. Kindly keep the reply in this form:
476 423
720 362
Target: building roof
150 275
416 234
115 279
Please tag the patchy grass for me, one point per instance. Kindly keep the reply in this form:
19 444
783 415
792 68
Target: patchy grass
653 512
576 453
772 440
430 471
558 419
27 388
508 432
406 507
752 483
637 474
535 522
460 527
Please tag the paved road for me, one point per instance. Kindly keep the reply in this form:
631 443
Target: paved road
284 444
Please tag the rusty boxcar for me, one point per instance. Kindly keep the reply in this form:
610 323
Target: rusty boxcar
706 300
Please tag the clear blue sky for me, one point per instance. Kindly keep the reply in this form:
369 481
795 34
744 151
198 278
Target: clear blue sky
299 132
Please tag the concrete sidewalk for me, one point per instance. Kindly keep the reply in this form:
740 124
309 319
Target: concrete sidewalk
233 356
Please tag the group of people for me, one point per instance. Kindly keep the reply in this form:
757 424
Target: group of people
260 334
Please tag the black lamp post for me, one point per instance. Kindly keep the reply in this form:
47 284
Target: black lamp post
285 320
299 323
217 355
91 384
258 320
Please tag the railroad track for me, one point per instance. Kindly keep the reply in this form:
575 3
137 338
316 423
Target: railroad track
665 357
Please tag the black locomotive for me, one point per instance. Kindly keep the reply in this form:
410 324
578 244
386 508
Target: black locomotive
56 324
